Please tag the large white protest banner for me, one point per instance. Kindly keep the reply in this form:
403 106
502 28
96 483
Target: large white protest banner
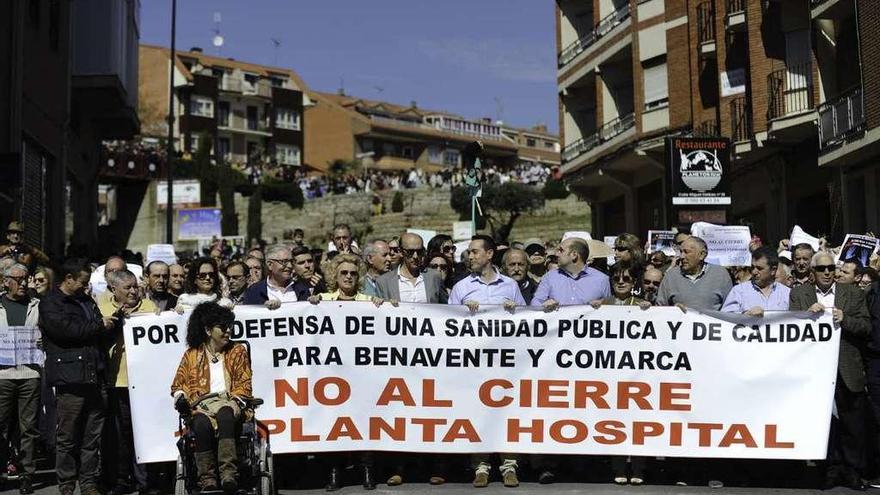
433 378
728 244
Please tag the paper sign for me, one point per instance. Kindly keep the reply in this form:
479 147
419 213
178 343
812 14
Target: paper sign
462 231
609 241
859 247
798 236
728 244
198 222
161 252
18 345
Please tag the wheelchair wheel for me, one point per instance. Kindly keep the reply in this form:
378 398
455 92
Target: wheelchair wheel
180 478
267 466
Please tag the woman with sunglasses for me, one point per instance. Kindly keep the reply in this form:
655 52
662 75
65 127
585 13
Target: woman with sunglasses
437 261
212 381
42 281
343 280
623 282
396 252
628 249
202 285
442 243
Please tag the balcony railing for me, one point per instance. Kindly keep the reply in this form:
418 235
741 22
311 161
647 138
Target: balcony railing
260 88
604 27
707 128
840 118
706 22
735 6
741 119
790 90
604 134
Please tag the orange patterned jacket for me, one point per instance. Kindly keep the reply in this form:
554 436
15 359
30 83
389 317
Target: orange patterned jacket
194 379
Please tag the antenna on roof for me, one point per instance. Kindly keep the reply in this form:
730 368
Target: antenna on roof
342 85
218 39
277 43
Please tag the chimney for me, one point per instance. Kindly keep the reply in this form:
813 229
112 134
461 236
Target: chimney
196 49
413 104
541 128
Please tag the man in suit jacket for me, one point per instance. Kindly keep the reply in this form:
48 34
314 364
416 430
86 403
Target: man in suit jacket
408 283
846 447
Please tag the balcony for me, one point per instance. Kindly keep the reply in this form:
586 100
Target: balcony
706 29
605 26
735 20
244 87
706 129
841 118
741 119
604 134
790 91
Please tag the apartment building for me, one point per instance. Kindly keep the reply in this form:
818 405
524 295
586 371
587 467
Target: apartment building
386 136
782 79
69 81
252 113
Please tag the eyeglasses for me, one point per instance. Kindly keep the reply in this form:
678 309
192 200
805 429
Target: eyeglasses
205 275
448 249
439 266
409 253
282 262
824 268
651 282
623 278
17 280
346 273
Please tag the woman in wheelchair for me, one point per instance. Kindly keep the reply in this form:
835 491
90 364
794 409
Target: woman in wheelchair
213 383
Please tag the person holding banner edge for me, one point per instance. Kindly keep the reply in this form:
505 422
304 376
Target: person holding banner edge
213 383
846 444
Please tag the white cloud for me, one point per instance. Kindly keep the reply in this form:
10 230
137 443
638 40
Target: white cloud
511 61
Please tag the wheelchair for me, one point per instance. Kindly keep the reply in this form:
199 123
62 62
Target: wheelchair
256 470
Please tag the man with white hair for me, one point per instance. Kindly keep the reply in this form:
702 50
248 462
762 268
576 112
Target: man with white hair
279 286
20 385
694 283
377 255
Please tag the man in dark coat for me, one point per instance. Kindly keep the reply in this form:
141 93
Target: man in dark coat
846 447
75 336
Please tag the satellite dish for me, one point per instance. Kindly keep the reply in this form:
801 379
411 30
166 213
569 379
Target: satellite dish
218 41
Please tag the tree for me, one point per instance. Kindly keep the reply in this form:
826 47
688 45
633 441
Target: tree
502 205
555 189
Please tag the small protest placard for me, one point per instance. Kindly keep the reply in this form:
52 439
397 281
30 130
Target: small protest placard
661 240
859 247
18 345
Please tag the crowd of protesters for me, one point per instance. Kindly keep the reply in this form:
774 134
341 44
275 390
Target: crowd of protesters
316 186
76 410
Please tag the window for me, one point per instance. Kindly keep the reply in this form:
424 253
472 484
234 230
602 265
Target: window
278 82
549 145
452 158
223 113
201 106
194 143
223 149
434 155
367 145
287 154
531 143
408 152
656 83
287 119
389 149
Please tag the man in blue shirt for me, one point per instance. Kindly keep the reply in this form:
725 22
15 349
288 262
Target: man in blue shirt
486 285
762 293
573 282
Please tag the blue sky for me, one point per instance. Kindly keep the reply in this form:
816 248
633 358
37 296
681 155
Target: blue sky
471 57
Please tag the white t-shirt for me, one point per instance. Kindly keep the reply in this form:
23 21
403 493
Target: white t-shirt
218 376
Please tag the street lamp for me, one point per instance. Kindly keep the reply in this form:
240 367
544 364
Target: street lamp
169 205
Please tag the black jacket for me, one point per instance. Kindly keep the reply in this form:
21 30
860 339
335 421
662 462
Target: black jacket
259 292
74 338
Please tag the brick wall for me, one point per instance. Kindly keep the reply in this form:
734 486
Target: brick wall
869 38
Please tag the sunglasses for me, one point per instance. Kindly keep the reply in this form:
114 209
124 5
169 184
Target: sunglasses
621 248
624 278
414 252
17 280
824 268
448 249
651 282
282 262
205 275
346 273
40 280
395 250
439 266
